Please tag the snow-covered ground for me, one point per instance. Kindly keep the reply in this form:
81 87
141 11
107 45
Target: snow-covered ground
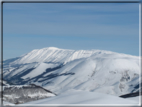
138 98
79 97
8 103
90 71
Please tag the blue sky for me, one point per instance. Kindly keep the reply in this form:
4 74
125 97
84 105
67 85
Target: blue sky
104 26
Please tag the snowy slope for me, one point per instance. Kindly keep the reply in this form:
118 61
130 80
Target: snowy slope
92 70
83 97
8 103
106 73
54 55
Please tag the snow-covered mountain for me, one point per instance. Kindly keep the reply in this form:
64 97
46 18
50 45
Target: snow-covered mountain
90 70
53 55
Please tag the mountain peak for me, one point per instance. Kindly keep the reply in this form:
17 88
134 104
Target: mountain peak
57 55
52 48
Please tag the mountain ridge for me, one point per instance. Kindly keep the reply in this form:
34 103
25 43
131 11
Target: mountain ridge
60 69
54 54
